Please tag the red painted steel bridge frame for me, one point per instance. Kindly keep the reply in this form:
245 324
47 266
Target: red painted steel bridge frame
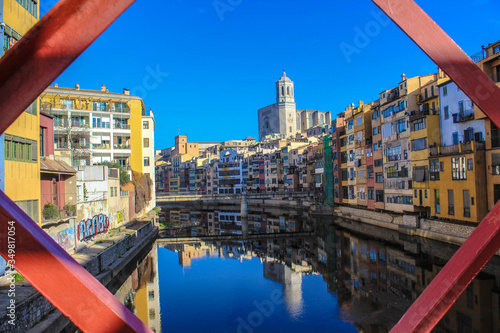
67 30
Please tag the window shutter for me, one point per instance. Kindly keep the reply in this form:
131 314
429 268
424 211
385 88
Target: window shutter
34 151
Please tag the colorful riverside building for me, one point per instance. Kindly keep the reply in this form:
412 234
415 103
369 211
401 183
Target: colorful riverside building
457 167
362 142
490 64
375 175
338 130
424 133
398 187
20 144
96 126
350 182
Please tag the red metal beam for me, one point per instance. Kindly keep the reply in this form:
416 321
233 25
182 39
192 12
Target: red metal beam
58 277
482 244
25 71
48 49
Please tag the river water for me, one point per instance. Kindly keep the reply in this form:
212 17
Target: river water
327 276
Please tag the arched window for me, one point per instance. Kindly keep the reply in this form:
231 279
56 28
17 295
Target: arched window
322 119
288 91
310 121
290 128
282 91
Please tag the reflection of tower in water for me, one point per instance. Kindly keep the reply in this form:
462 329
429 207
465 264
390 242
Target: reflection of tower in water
292 285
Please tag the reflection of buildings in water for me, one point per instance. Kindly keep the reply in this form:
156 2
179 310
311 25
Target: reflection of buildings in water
141 291
187 252
292 284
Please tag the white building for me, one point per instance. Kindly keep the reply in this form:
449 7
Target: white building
284 118
457 116
148 153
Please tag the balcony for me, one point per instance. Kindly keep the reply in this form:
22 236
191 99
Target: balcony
80 124
495 170
398 174
100 125
415 115
466 147
464 116
121 126
121 146
101 146
422 98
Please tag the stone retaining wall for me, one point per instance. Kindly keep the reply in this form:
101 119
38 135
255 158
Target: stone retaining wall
33 309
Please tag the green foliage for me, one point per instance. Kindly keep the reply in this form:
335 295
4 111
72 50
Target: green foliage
50 211
124 176
18 277
70 209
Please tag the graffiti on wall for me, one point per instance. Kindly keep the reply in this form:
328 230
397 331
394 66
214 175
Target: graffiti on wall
119 216
87 229
65 237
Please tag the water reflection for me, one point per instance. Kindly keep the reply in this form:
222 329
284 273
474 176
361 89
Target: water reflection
346 277
141 291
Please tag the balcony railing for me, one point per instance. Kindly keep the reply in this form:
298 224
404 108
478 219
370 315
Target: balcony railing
47 107
463 116
466 147
121 126
101 125
398 174
101 146
121 146
415 115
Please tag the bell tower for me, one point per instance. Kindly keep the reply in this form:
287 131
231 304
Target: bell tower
284 90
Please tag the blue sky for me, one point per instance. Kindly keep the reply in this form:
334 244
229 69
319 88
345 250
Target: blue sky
215 62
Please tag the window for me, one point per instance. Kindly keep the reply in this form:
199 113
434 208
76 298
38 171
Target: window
419 124
434 169
470 164
20 149
146 143
451 203
441 166
461 106
437 202
378 163
466 203
419 144
455 138
445 91
458 171
379 177
30 207
145 124
371 195
146 161
379 195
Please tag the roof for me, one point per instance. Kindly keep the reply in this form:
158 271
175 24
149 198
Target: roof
249 138
52 166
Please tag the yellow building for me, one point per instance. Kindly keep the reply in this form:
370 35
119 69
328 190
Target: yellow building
491 66
99 126
19 155
457 174
424 132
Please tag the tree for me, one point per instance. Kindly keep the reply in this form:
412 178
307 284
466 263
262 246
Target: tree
124 176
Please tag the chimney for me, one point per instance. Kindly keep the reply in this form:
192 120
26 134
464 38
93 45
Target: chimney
77 86
56 85
126 91
103 87
403 77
